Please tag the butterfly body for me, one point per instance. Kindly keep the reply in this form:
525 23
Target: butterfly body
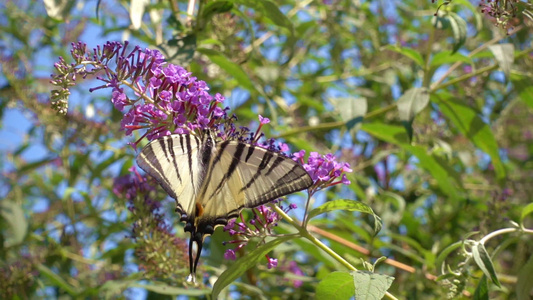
212 181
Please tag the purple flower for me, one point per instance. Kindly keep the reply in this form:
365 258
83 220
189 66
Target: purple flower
272 262
293 268
324 169
264 219
229 254
263 120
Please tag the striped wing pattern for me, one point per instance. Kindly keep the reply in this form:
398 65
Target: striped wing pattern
172 161
212 182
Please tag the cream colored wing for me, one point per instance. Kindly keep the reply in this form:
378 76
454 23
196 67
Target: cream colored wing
173 161
242 175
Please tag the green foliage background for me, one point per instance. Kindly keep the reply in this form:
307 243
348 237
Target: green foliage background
434 113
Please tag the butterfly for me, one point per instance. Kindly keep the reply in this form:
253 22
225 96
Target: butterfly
212 180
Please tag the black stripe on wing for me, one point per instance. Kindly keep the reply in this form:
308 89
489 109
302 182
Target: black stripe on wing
149 162
231 169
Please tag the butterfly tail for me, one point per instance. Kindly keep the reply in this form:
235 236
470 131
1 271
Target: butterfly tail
193 261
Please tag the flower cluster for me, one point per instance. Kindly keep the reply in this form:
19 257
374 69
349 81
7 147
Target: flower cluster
163 98
161 254
501 11
324 169
263 221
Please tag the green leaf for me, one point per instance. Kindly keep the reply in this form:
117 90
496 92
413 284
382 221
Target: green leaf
408 52
244 263
482 289
482 259
523 88
336 286
526 211
413 101
448 57
472 126
56 280
370 286
348 205
351 111
215 7
179 51
475 11
361 284
458 28
13 214
271 11
504 55
444 254
230 67
523 285
395 204
388 133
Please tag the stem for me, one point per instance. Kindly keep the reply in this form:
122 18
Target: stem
304 233
307 203
190 11
427 67
502 231
333 125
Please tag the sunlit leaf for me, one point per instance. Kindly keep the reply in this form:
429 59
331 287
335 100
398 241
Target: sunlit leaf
352 111
336 286
528 209
458 26
408 52
484 262
13 215
413 101
371 286
361 284
504 55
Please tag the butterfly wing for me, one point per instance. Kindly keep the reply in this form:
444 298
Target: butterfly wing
242 175
173 162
